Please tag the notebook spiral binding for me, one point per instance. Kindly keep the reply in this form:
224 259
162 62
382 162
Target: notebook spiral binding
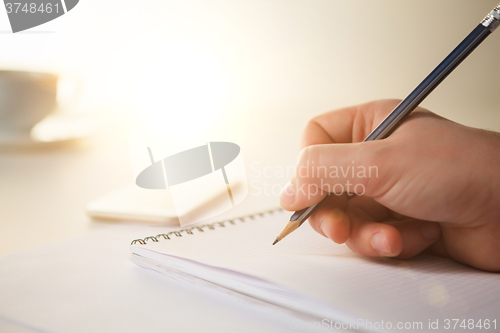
210 226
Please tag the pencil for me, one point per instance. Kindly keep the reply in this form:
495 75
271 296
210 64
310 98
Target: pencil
394 119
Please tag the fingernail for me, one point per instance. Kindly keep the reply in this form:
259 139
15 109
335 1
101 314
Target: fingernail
324 227
430 231
287 196
379 243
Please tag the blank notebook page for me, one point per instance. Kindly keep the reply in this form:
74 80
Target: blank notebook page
372 289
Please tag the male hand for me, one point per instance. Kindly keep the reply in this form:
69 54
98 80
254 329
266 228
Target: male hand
432 184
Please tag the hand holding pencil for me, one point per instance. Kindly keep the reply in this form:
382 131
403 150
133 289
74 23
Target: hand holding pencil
348 125
434 185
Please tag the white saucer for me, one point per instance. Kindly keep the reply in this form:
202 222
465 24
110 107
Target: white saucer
15 139
58 128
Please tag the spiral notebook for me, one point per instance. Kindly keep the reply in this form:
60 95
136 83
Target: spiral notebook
310 275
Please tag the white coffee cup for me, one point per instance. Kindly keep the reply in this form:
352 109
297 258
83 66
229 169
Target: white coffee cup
25 99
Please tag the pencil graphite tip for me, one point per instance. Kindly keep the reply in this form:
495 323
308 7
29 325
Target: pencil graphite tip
289 227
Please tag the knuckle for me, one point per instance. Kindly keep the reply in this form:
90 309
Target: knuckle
304 162
310 123
302 156
307 155
311 126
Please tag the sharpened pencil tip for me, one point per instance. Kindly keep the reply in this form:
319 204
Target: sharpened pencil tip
276 241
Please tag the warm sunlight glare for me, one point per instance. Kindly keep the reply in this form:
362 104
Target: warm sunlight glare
179 92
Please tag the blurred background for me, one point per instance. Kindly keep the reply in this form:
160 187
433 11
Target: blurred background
250 72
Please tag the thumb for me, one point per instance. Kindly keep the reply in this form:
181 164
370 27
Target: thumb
353 168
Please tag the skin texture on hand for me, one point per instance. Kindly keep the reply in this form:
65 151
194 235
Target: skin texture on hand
434 185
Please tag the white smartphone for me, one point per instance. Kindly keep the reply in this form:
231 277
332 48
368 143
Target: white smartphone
132 203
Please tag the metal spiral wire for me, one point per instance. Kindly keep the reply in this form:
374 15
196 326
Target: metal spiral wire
200 228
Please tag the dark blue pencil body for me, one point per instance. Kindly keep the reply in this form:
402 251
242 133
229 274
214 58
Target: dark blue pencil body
392 121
